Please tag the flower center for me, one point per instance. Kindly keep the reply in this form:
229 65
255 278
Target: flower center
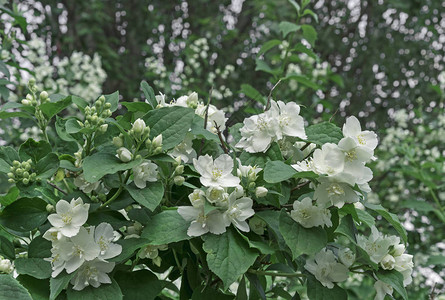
351 155
216 173
335 190
103 244
361 139
66 218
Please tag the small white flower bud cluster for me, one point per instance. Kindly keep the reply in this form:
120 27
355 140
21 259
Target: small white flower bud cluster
96 114
179 169
21 172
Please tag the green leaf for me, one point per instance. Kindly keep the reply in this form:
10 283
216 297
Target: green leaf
266 47
24 214
205 293
288 27
7 248
324 133
100 164
295 5
14 114
150 196
50 109
10 289
137 106
113 99
4 69
299 239
303 49
72 126
139 285
8 154
278 171
60 125
149 94
38 288
418 205
35 267
261 65
394 279
34 150
347 228
47 166
311 13
11 196
260 159
129 246
198 130
391 218
272 219
58 284
365 217
303 80
435 260
80 102
252 93
228 255
103 292
316 291
172 122
309 34
39 248
166 227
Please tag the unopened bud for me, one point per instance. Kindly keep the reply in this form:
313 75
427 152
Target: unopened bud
260 192
43 96
50 208
139 127
16 163
25 174
118 141
157 141
148 144
252 185
25 180
11 175
107 105
29 97
101 99
11 180
179 169
124 154
178 160
103 128
179 180
157 150
26 102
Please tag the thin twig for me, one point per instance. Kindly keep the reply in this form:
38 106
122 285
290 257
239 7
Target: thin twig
271 273
223 145
57 188
333 115
206 117
299 186
270 95
305 146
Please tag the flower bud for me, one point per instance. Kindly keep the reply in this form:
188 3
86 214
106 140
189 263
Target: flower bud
11 175
101 99
25 174
148 144
179 180
192 100
139 126
157 150
124 154
16 163
107 105
50 208
118 141
25 180
6 266
252 185
43 96
179 169
260 192
398 250
32 82
103 128
19 171
10 180
346 257
178 160
157 141
26 102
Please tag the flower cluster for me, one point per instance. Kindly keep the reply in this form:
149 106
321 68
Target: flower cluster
225 208
80 249
280 121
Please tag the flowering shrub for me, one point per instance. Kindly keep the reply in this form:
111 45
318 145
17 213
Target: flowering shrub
123 203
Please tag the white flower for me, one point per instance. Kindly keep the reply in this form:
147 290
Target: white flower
404 264
260 192
346 256
104 236
258 132
69 217
382 289
329 160
53 235
217 195
6 266
160 99
185 149
124 154
84 185
146 171
197 198
92 273
238 211
366 139
151 251
308 215
289 121
377 245
81 248
215 117
329 193
248 171
326 269
388 262
157 141
216 173
200 222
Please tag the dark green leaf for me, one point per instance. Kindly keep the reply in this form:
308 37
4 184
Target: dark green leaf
324 133
10 289
150 196
34 150
288 27
7 248
50 109
139 285
59 283
394 279
35 267
103 292
24 214
391 218
149 94
166 227
266 47
309 33
100 164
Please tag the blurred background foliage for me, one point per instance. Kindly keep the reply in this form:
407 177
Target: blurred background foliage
382 61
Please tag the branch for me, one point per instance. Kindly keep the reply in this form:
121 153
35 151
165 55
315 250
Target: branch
223 145
271 273
57 188
270 95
